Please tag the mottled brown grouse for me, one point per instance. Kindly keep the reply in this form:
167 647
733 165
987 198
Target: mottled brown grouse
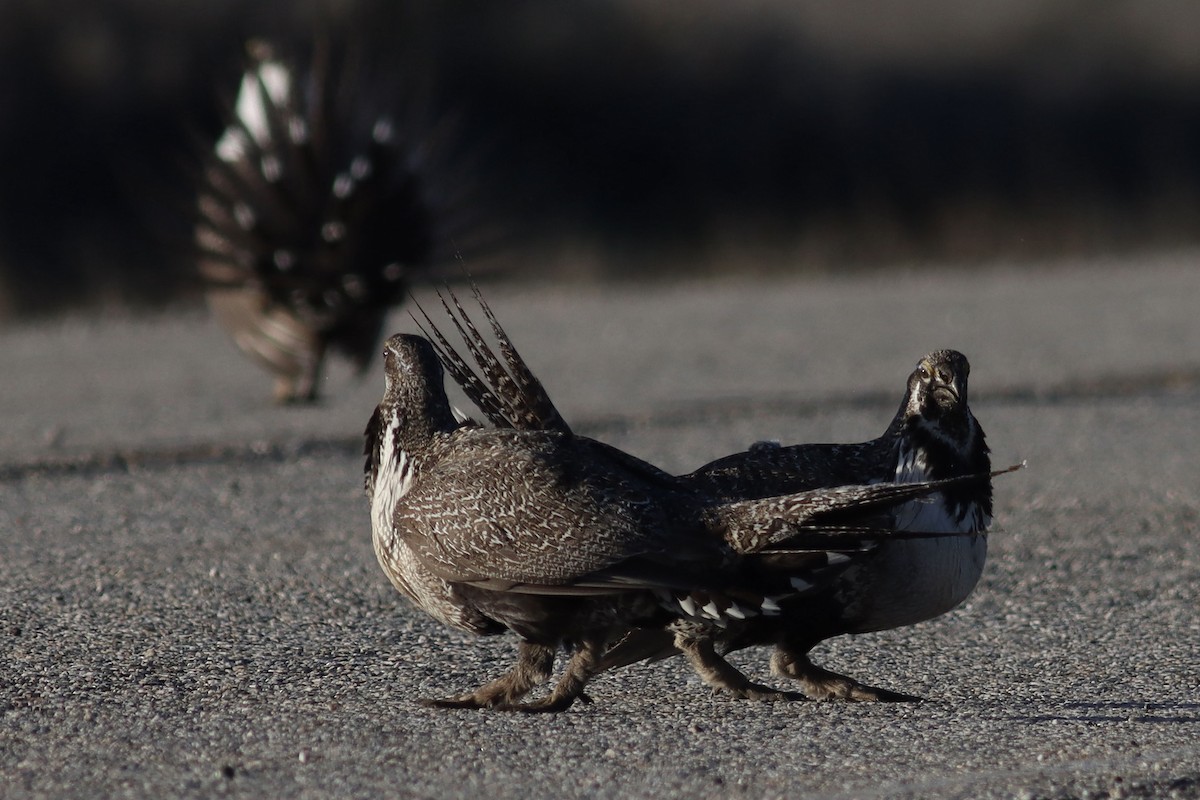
900 581
567 541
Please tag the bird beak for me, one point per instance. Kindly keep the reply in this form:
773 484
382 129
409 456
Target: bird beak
947 385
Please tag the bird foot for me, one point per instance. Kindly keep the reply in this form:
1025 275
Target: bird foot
722 676
461 701
550 704
489 696
822 684
852 690
532 668
755 691
544 706
292 392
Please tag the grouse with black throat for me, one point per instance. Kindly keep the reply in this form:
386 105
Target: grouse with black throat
933 435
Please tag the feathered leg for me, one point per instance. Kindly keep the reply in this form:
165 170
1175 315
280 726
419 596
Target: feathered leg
818 683
720 674
584 663
534 665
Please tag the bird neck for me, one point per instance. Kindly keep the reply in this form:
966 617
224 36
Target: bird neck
413 423
948 446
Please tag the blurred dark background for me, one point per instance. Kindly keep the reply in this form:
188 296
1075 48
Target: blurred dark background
626 139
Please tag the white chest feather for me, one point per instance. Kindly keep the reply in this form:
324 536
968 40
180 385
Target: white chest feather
410 577
918 579
933 513
392 482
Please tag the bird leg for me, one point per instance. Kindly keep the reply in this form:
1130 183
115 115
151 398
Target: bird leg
584 663
533 667
721 675
821 684
299 387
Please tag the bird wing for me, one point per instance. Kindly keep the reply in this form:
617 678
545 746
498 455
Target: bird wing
766 470
526 511
753 525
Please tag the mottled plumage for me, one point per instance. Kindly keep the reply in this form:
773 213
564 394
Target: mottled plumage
933 435
902 581
316 207
565 540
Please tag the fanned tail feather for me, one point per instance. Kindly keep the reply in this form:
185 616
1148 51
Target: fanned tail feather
461 373
534 399
508 392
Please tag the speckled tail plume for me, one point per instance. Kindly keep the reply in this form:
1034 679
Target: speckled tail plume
318 206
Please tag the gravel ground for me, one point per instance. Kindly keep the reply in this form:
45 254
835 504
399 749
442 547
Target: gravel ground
189 605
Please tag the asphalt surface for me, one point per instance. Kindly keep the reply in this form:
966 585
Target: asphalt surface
189 604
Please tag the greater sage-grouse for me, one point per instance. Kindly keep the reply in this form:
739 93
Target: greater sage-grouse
316 208
933 435
569 542
898 580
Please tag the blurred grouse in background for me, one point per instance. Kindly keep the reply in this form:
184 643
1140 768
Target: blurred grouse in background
317 208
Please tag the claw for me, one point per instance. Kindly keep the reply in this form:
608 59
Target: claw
722 676
765 693
818 683
462 701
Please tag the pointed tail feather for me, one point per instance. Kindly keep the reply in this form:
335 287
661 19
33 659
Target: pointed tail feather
533 396
461 373
754 525
508 392
495 379
528 405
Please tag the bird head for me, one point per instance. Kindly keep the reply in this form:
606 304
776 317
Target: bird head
937 388
412 372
